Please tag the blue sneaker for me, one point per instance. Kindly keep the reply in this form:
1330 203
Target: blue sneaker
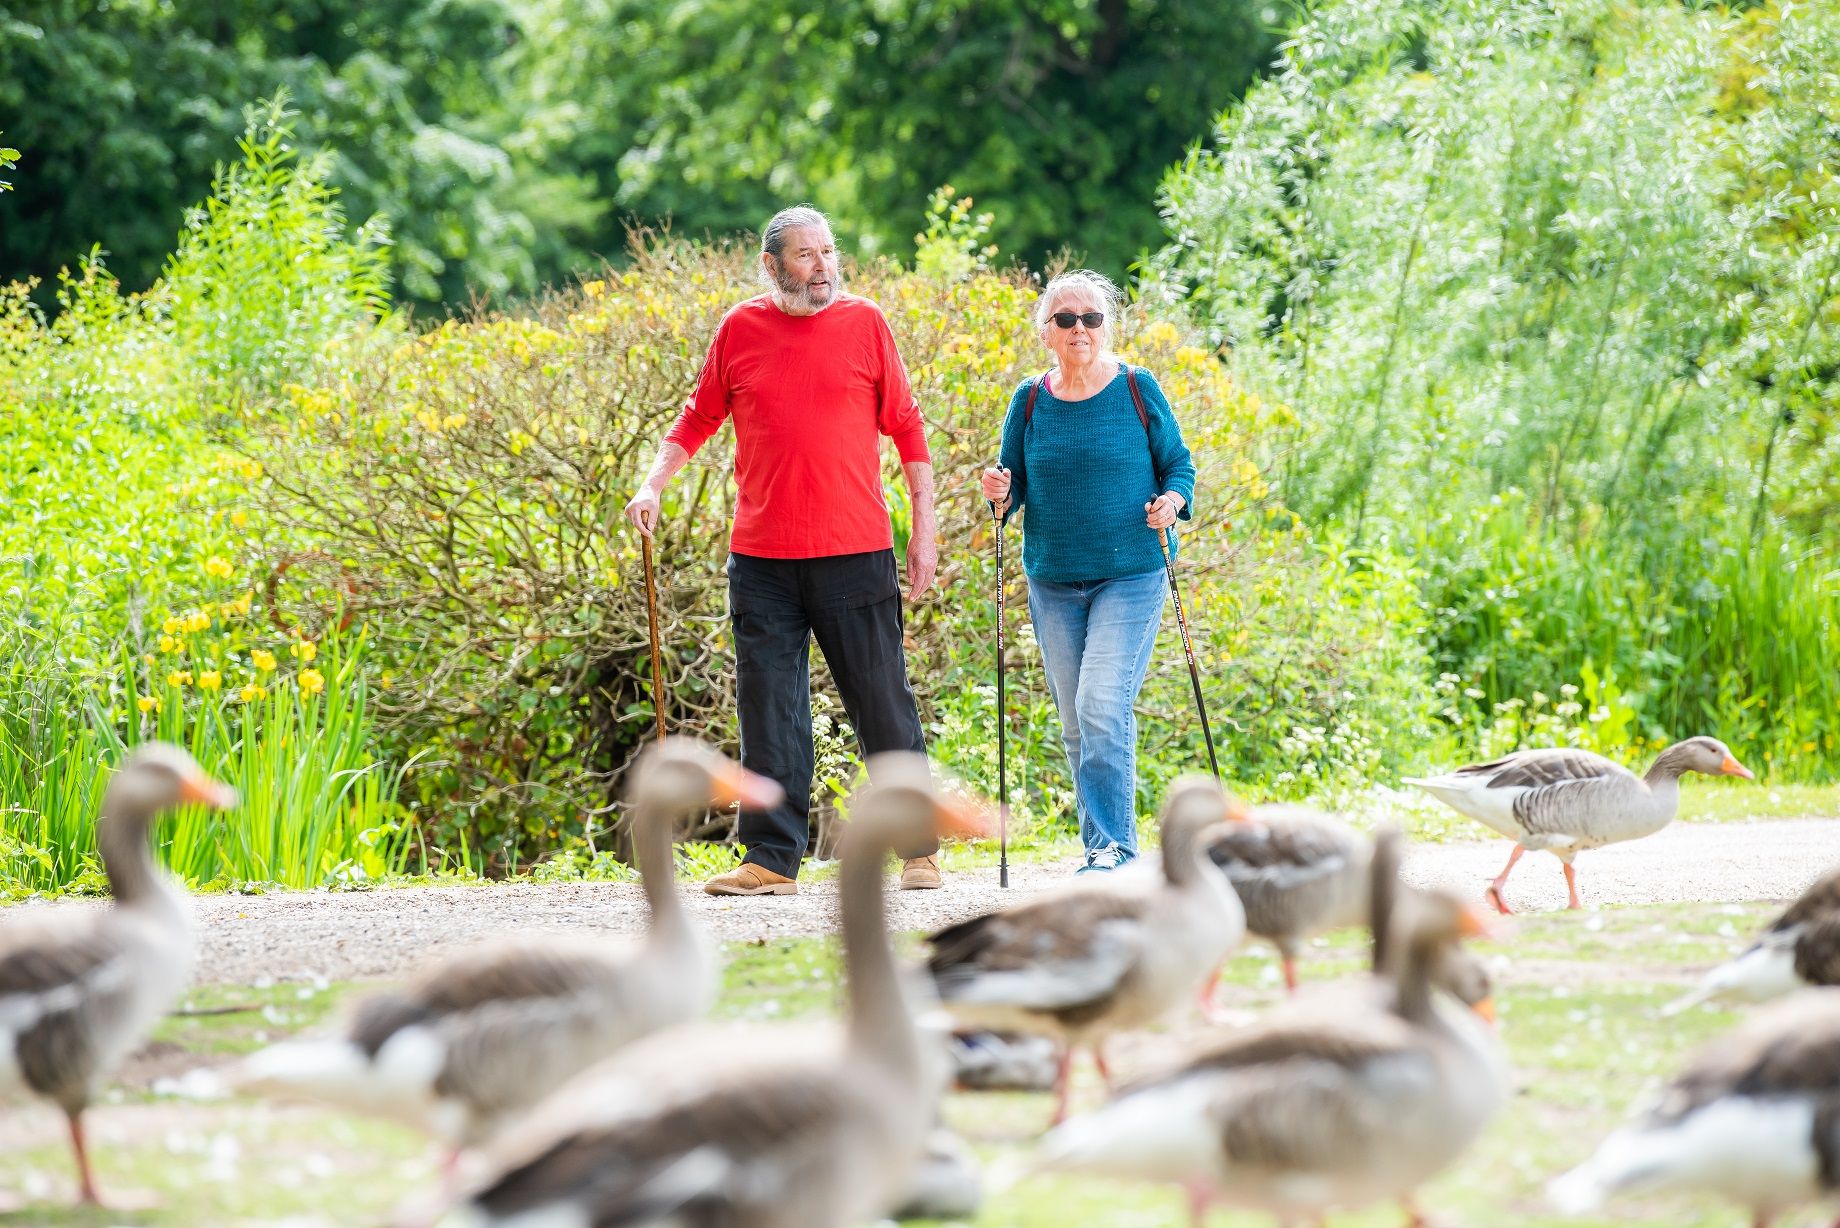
1104 861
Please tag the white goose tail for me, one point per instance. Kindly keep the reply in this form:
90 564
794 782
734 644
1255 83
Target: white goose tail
397 1082
1764 972
1749 1150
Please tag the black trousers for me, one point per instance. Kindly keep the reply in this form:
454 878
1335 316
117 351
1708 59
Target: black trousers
852 603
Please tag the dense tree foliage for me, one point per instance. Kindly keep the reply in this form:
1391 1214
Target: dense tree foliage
1552 290
507 141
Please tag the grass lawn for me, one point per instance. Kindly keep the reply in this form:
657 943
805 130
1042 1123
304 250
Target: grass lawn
1579 996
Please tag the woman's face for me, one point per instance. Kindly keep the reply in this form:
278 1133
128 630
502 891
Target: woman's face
1079 345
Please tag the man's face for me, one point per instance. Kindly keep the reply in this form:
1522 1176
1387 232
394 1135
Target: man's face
806 269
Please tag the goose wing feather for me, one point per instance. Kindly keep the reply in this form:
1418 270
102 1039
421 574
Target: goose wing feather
63 992
1050 955
715 1159
1289 871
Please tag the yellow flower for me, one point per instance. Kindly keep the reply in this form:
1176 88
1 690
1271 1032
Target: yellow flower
172 626
168 644
147 703
306 650
453 422
218 566
594 289
253 691
388 679
147 657
210 680
239 518
240 606
179 677
263 659
312 682
197 620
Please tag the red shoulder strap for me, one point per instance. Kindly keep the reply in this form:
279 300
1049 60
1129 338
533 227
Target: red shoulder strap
1028 408
1137 397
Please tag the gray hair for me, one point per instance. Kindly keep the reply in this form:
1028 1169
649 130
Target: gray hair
773 238
1110 297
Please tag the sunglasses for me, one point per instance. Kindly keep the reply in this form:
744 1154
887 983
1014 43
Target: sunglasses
1067 319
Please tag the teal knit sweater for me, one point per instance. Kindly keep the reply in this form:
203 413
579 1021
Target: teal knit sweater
1081 473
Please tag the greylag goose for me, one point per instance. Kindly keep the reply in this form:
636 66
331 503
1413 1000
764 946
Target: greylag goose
1100 958
79 993
794 1145
1566 801
1298 873
488 1032
1334 1101
1751 1118
1800 949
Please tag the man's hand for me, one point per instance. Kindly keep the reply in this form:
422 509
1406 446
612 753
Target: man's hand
642 510
922 562
1160 512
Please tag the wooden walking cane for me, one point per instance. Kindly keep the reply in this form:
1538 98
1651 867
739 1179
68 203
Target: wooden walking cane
651 612
996 523
1188 647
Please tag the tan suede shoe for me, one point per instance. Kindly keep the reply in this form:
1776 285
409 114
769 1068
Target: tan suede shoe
921 874
750 879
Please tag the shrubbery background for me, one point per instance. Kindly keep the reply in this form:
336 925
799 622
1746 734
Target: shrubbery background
1515 425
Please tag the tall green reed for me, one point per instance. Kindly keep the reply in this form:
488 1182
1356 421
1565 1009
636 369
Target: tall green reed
315 802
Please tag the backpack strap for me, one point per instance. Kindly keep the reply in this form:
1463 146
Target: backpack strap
1028 407
1130 378
1137 398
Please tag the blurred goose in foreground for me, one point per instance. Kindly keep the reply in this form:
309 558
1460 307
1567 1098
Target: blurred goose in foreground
78 993
829 1143
1100 958
1755 1117
1298 872
1566 801
1336 1100
1800 949
488 1032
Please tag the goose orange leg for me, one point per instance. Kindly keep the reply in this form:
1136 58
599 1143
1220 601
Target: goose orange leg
1063 1085
1501 880
86 1180
1571 886
1290 973
1105 1071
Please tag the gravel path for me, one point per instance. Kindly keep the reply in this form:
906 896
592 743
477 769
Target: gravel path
344 935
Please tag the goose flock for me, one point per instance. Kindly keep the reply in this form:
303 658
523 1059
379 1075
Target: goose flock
567 1084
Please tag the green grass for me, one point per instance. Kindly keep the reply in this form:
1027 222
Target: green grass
1578 996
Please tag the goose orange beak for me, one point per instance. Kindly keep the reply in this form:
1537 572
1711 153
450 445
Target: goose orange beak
963 818
205 791
1731 767
736 786
1485 1010
1471 925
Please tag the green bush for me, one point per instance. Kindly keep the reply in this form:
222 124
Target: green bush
1548 288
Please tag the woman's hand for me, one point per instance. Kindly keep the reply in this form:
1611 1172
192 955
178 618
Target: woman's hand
995 484
1160 512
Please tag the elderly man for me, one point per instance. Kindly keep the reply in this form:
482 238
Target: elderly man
812 379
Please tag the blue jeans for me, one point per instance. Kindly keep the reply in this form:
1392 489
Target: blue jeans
1096 638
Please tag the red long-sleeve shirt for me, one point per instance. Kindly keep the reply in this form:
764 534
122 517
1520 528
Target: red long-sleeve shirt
810 396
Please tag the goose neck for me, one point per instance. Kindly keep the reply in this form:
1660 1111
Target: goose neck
123 841
881 1027
657 869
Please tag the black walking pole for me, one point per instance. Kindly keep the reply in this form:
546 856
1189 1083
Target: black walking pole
996 524
1188 647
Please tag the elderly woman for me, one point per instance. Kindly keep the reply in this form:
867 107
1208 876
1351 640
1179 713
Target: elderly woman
1094 456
